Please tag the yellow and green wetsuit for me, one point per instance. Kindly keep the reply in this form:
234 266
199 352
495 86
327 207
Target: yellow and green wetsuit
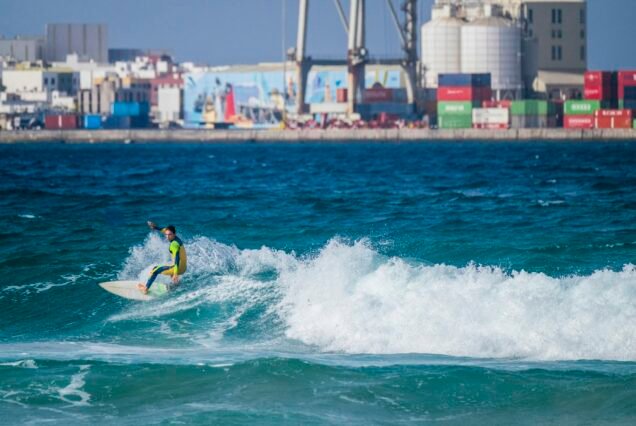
179 262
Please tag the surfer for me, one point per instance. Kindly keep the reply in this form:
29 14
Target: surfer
178 254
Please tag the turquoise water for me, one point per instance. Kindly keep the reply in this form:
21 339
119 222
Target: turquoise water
327 284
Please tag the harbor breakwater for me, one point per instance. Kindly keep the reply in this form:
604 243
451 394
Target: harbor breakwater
314 135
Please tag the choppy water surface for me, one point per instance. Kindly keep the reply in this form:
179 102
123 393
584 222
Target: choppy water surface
327 284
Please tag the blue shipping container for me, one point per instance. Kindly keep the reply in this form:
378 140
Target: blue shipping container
629 104
130 108
464 80
117 122
92 122
630 93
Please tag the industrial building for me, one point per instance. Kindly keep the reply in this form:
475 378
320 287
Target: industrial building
530 46
89 41
22 49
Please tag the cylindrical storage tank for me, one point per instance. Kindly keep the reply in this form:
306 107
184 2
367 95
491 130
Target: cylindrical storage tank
441 48
493 45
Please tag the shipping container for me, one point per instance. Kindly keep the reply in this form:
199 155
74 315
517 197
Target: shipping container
377 94
92 121
496 104
455 121
599 78
629 93
458 80
457 108
117 122
499 116
532 122
578 122
467 93
613 122
491 126
621 113
529 107
581 107
625 79
130 108
634 123
341 95
629 104
60 122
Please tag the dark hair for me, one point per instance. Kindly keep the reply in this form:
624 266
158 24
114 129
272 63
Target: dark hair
171 229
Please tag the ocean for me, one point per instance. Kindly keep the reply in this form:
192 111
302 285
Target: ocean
342 283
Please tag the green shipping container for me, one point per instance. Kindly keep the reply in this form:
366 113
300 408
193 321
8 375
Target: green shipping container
621 104
455 108
529 107
581 107
634 126
455 121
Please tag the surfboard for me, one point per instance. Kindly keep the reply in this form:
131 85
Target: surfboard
129 290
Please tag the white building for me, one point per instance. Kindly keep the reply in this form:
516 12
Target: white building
36 80
169 107
89 41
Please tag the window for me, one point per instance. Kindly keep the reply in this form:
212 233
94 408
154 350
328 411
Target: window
582 16
582 34
52 81
46 81
557 53
583 53
557 16
530 15
530 33
557 34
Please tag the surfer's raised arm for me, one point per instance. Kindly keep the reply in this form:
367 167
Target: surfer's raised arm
154 226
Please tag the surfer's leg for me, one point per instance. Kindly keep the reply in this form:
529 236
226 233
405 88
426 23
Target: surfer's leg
156 271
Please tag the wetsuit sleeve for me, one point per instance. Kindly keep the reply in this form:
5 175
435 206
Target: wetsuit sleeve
175 248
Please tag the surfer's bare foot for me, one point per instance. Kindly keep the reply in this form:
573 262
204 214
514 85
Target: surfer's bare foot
142 288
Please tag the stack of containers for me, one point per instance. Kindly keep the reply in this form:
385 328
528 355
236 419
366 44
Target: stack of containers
627 90
128 115
457 95
601 86
580 114
532 114
60 122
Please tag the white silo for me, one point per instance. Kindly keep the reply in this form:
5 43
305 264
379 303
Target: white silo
493 44
441 48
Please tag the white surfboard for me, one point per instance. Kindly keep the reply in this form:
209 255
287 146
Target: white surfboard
129 290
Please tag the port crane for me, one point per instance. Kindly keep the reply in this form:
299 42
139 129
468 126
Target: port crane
357 52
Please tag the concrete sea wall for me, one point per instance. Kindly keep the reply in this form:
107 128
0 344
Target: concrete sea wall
314 135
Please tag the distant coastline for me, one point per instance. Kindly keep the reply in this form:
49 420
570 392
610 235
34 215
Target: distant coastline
314 135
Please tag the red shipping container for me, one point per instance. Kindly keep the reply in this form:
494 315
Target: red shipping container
341 95
599 93
59 122
613 123
578 121
378 94
620 113
466 93
496 104
598 78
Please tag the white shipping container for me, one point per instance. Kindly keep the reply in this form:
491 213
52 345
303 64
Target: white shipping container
491 115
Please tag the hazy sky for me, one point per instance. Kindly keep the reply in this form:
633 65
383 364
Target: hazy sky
249 31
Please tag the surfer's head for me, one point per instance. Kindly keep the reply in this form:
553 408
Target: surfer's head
170 232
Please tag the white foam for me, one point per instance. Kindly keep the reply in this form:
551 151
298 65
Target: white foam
25 363
73 393
351 299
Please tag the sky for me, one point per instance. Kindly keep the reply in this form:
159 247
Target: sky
219 32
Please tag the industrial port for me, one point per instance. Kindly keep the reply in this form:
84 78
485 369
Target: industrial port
478 69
